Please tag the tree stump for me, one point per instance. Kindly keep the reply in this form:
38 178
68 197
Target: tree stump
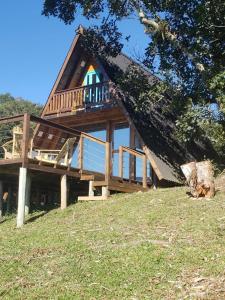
199 176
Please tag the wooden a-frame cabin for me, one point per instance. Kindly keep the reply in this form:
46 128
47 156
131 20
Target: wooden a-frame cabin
89 142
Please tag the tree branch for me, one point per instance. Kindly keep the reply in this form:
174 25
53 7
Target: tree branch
156 28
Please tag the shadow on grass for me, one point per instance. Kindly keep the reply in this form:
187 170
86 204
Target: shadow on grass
2 220
34 218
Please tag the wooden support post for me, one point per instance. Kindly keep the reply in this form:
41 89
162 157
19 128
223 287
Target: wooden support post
91 190
132 158
144 172
108 152
121 162
25 142
21 197
28 195
81 153
9 198
154 179
105 191
1 200
64 193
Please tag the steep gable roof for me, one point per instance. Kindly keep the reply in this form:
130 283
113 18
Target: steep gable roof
156 130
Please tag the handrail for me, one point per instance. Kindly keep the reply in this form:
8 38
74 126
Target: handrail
132 151
82 87
92 138
137 154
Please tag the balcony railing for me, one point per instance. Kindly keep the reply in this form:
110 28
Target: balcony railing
73 99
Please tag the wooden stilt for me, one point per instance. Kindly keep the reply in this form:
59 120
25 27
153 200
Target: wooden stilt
154 178
28 195
21 197
105 191
64 191
91 190
1 200
9 199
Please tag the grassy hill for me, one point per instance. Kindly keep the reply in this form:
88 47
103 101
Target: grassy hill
155 245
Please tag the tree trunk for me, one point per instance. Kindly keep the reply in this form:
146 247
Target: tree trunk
200 178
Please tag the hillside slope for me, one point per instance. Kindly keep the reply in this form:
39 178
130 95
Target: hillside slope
155 245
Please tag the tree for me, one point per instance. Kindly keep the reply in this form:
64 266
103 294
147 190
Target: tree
10 106
186 49
187 37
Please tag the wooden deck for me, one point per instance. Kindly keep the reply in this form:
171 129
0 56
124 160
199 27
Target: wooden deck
55 172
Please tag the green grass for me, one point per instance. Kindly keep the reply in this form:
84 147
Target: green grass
155 245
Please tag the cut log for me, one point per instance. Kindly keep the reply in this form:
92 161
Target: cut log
200 178
190 173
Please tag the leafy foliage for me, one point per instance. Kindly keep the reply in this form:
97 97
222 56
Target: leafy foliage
201 123
10 106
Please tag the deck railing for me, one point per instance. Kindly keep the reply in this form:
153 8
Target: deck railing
73 99
41 144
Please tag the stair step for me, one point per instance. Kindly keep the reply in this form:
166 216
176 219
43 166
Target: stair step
92 198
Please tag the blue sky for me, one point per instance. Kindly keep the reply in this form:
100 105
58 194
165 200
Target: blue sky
33 47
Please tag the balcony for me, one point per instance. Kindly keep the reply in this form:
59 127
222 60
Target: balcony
78 98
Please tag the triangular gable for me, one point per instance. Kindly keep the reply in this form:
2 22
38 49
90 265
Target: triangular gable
72 72
76 65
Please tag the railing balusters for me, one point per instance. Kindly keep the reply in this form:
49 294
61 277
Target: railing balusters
71 99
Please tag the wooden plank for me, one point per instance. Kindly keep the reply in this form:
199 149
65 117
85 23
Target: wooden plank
87 177
125 187
92 198
100 183
11 119
52 170
16 161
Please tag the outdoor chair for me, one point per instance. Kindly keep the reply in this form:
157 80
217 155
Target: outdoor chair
13 148
63 156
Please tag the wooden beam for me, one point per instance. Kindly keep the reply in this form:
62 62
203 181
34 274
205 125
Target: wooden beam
10 161
144 172
11 119
121 162
25 141
52 170
132 158
108 151
81 153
